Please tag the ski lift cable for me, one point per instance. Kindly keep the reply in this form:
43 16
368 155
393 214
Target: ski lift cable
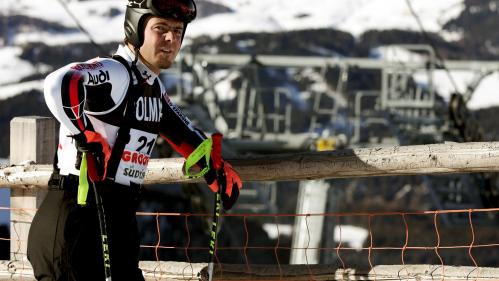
457 109
432 44
81 28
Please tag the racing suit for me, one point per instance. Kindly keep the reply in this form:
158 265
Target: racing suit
64 241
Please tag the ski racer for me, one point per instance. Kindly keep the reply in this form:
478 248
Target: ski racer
111 111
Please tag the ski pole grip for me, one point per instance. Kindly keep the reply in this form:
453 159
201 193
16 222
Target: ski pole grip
216 152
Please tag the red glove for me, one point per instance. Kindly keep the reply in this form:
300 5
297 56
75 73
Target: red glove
97 149
227 179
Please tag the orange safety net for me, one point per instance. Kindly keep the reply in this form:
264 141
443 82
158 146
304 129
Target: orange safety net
472 240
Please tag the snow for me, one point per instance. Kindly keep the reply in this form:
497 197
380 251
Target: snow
395 53
56 39
240 22
91 14
354 16
223 87
486 94
103 19
12 68
447 82
353 236
15 89
444 84
379 14
274 230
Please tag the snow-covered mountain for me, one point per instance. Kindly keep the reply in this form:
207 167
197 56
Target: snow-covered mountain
27 21
104 18
353 16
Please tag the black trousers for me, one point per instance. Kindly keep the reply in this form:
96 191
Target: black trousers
64 238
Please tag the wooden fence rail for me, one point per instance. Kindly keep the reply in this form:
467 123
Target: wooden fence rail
181 271
349 163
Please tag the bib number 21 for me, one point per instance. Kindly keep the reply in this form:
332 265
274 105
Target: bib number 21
145 143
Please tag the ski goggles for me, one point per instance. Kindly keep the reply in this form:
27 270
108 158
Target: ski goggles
184 10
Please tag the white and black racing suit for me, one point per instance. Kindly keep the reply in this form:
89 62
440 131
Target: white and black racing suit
92 95
63 241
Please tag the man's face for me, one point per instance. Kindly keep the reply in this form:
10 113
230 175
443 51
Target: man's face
162 40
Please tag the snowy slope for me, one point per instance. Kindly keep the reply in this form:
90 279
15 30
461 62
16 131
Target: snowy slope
354 16
94 16
12 68
104 21
446 83
485 95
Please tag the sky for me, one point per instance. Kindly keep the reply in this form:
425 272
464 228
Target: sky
354 16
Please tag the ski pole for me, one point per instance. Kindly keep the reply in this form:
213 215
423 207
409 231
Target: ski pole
103 233
102 221
216 156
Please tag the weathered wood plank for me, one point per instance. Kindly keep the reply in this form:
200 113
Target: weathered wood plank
177 271
348 163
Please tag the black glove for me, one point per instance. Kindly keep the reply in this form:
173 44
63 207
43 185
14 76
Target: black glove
83 145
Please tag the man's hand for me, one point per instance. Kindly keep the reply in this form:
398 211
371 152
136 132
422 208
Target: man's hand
93 143
228 179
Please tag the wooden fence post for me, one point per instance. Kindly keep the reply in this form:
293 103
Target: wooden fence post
31 139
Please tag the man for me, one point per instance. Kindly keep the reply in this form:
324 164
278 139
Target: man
111 111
